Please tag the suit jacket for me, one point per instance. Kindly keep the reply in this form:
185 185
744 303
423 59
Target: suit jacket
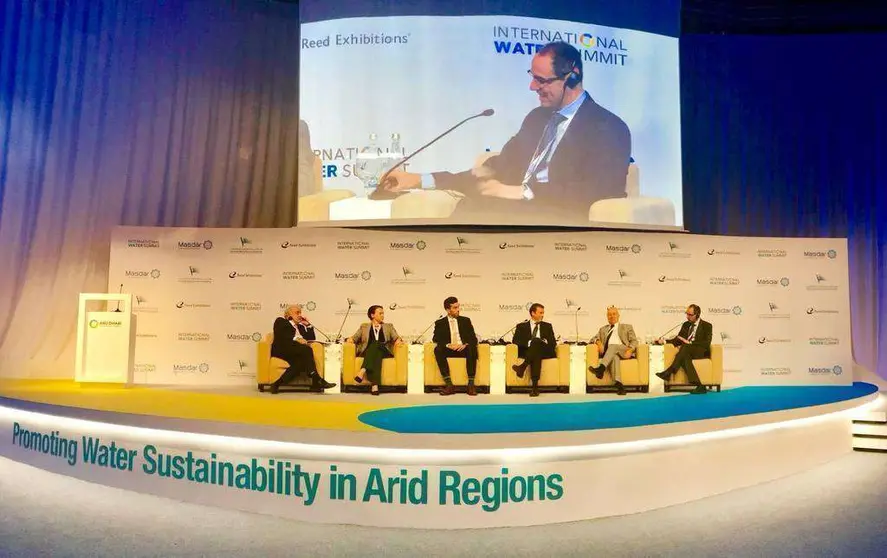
702 339
624 335
283 336
361 337
589 164
442 331
523 332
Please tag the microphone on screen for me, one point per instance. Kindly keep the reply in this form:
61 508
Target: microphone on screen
383 193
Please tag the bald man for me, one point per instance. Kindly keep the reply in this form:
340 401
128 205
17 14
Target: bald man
615 341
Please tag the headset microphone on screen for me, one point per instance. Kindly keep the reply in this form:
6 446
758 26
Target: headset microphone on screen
573 78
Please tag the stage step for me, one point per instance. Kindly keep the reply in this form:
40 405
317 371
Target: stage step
870 432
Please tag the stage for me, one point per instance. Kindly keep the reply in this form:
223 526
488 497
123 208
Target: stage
422 461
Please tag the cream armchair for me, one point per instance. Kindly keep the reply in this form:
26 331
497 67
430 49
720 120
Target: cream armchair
458 370
316 207
635 371
269 368
555 371
710 370
633 208
394 370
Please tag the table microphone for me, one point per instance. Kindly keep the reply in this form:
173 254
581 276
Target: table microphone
317 329
347 312
381 193
501 338
418 340
120 291
577 342
669 331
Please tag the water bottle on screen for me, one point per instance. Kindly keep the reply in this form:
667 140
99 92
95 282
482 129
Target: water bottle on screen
370 165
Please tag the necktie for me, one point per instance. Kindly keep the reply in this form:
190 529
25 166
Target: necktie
607 340
535 330
546 143
454 332
692 332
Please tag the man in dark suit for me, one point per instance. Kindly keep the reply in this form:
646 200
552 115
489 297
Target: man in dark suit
454 337
292 333
693 341
569 153
535 341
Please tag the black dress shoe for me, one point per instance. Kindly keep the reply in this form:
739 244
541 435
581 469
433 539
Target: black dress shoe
620 389
518 369
534 392
319 383
700 390
598 371
664 375
274 388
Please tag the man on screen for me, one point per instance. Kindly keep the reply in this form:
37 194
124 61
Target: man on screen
535 341
569 153
692 341
454 337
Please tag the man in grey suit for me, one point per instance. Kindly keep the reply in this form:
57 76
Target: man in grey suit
615 341
374 341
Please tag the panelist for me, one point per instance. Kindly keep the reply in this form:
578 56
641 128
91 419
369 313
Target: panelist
615 341
292 333
693 341
535 341
569 153
375 341
454 337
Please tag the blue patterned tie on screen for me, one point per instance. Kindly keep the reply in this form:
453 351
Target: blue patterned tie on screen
546 143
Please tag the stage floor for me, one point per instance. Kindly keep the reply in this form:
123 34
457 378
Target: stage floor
398 420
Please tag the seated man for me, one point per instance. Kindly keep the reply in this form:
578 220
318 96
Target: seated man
693 341
454 337
292 333
375 341
615 341
535 341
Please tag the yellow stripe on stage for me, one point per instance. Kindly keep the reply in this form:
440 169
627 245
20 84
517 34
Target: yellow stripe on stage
269 410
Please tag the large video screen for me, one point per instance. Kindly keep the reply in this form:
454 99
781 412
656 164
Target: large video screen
564 122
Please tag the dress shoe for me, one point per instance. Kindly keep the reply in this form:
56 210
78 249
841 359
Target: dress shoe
518 369
620 389
598 371
319 383
448 389
274 388
534 392
664 375
472 391
700 390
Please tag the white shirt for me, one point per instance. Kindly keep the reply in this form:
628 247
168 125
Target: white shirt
376 329
538 332
614 335
568 112
454 331
298 334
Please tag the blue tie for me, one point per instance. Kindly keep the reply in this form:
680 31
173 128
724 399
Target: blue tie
543 150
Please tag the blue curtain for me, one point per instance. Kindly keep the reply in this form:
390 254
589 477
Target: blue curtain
787 136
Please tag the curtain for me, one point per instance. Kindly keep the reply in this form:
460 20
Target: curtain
167 113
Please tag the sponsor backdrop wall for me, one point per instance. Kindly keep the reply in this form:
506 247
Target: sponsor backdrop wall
203 297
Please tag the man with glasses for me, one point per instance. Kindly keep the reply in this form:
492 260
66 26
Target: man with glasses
569 153
693 341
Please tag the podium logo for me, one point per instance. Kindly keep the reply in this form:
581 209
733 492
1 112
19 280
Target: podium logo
254 337
94 324
201 368
353 275
195 245
142 243
418 245
623 249
141 274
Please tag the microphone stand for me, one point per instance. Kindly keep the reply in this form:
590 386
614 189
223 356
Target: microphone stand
120 291
381 193
669 331
577 342
501 340
318 330
418 340
347 312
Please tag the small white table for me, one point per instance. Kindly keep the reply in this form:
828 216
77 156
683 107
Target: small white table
332 366
577 370
657 364
497 370
416 370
